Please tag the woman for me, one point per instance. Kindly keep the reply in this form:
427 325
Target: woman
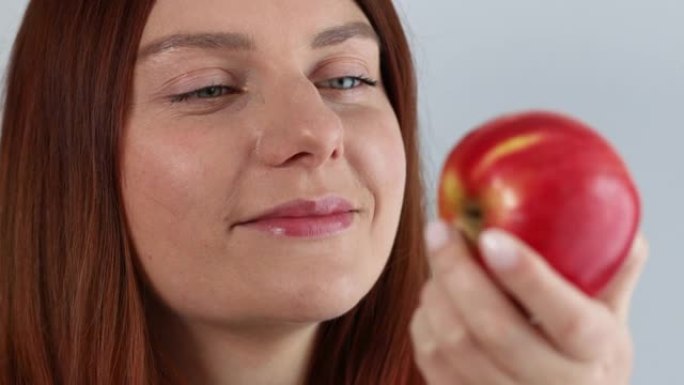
228 192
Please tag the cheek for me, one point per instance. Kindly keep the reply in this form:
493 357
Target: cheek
377 152
179 170
160 180
175 201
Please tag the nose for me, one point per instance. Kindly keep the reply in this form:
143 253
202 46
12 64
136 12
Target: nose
300 128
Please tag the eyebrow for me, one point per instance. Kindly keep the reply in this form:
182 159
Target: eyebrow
225 40
242 42
342 33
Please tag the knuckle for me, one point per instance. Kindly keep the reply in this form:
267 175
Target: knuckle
585 328
596 373
577 327
424 361
429 347
453 342
493 331
428 352
612 366
424 349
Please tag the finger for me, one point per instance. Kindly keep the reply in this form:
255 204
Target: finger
433 366
454 343
443 243
492 319
576 324
618 294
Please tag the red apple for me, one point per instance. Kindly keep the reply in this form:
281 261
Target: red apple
553 182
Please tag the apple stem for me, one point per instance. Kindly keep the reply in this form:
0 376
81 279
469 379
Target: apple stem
471 222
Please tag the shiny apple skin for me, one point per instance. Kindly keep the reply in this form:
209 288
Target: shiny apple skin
552 181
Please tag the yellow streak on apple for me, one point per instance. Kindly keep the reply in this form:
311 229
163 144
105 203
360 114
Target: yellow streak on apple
470 225
498 198
508 147
453 190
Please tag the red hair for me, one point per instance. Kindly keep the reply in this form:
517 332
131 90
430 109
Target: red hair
72 305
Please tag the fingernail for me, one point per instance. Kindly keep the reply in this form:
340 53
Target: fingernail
499 249
436 235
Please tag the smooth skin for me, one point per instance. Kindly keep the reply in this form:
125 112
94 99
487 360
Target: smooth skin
467 330
221 129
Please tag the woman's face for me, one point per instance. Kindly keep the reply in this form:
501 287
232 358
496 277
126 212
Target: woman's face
251 105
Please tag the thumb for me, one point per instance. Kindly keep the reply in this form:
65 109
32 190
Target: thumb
618 294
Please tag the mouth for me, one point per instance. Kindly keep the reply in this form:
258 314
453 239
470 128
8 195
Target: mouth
303 218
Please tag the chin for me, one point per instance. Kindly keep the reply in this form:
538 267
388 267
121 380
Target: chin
326 299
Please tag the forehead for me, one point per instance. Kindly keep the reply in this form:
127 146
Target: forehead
266 21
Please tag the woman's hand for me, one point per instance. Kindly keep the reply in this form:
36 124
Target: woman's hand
467 331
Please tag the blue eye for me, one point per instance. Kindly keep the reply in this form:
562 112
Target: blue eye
348 82
211 92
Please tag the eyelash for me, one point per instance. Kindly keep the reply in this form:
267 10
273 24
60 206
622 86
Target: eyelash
359 81
224 90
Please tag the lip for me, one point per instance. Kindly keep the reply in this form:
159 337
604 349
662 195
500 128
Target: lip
305 218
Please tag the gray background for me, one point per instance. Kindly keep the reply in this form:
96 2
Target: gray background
616 64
